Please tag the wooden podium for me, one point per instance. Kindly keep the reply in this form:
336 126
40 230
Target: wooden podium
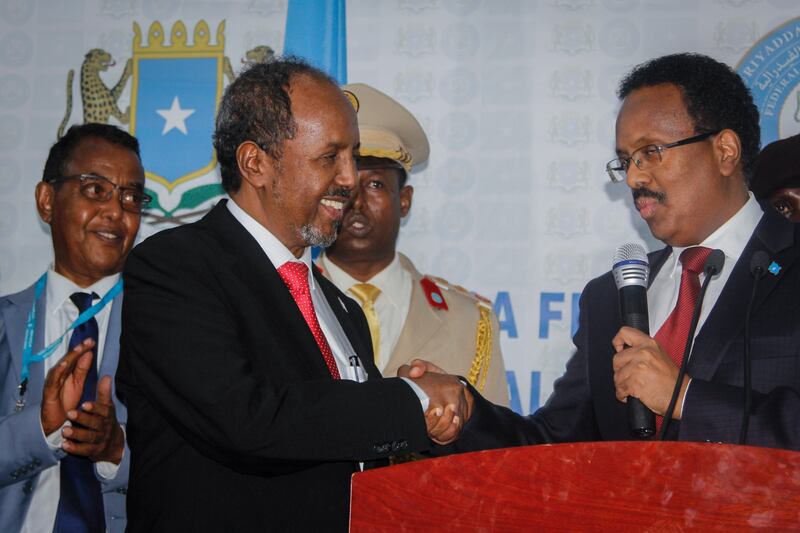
601 486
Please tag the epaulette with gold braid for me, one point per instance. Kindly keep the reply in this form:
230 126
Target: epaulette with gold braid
479 370
443 283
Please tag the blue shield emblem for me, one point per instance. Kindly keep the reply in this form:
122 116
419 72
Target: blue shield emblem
173 108
175 91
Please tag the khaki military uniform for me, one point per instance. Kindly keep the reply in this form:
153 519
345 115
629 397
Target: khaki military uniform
445 324
463 339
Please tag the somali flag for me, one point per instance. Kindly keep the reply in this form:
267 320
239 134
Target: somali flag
315 31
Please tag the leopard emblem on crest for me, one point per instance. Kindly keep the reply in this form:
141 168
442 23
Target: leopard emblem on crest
99 102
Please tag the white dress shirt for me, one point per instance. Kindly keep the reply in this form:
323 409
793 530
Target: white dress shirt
278 254
731 238
60 312
391 305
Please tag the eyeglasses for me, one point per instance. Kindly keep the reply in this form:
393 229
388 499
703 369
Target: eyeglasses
101 189
647 156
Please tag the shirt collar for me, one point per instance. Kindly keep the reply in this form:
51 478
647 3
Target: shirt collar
731 237
388 280
276 251
60 288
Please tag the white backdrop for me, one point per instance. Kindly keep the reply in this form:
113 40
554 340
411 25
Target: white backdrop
517 98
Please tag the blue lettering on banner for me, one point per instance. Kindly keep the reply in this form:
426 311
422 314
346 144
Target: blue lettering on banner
546 313
515 402
513 392
536 385
576 311
505 314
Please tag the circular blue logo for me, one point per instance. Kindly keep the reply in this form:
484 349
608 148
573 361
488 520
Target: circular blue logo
771 68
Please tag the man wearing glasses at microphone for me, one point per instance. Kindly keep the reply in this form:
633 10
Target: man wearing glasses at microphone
687 137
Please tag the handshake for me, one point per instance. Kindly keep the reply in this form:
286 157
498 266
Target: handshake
450 403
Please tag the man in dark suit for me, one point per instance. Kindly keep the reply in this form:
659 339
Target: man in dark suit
249 378
687 136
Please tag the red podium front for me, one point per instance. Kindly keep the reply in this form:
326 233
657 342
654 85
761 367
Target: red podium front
601 486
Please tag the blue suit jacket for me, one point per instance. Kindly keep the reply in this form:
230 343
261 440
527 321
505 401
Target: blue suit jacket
24 452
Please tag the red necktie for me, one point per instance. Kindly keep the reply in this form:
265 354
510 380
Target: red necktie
673 334
295 276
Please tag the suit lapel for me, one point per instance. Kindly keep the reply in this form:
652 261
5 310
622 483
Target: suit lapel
111 348
16 318
249 263
348 326
108 366
657 260
602 327
773 235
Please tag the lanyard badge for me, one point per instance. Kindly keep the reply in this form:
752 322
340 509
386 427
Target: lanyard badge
28 357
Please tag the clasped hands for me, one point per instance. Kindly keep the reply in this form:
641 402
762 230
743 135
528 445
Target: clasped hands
643 369
95 432
450 403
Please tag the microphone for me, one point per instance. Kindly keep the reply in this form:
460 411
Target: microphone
758 268
631 270
711 268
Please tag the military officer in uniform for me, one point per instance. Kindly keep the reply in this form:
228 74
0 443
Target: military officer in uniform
409 314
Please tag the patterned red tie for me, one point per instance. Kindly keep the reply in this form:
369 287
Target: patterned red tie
295 276
673 334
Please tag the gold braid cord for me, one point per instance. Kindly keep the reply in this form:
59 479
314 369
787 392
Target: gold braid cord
483 350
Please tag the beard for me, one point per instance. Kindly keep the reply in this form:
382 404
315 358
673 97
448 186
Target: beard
307 233
312 236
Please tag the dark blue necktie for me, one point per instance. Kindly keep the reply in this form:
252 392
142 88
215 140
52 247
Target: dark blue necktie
80 504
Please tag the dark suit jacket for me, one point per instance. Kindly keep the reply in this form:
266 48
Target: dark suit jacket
235 423
583 406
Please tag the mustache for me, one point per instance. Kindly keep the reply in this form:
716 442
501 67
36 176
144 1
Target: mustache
343 192
644 192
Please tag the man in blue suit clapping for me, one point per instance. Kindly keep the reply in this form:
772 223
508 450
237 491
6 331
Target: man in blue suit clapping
64 460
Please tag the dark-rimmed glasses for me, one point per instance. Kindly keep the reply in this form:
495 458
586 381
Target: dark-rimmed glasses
101 189
647 156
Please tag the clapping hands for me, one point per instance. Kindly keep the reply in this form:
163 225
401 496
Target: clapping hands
95 432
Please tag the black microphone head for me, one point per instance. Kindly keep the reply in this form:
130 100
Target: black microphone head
630 266
713 264
759 263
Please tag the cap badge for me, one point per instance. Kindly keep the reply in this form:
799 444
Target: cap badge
353 100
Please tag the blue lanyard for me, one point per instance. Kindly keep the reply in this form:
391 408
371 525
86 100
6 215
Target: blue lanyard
28 357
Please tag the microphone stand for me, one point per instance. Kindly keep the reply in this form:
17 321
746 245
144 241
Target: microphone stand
711 270
747 379
758 268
